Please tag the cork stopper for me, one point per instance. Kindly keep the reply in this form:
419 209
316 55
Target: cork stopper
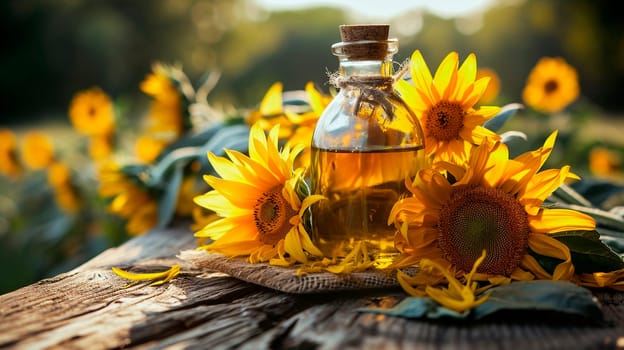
357 32
364 41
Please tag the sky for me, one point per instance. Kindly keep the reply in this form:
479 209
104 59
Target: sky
385 9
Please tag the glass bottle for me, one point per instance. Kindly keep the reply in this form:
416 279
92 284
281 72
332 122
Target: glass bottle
365 144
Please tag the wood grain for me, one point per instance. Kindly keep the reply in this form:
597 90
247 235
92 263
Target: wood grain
87 308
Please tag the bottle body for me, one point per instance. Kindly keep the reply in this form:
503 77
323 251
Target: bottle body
365 145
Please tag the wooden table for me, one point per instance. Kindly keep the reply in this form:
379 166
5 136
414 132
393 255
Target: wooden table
87 308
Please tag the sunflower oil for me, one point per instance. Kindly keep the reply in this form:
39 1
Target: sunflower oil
361 188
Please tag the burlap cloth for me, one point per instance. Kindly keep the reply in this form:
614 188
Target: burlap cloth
286 279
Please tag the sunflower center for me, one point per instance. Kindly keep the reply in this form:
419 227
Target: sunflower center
551 86
271 215
445 120
477 218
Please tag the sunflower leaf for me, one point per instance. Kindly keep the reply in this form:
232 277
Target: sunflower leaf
496 123
418 307
546 262
589 254
233 137
191 141
513 136
601 193
134 170
541 295
168 201
535 296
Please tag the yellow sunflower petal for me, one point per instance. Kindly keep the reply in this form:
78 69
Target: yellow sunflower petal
421 237
238 248
529 263
548 246
445 77
457 296
410 94
262 254
272 102
536 159
521 275
241 194
218 229
544 183
306 242
257 144
214 201
421 75
157 277
612 279
408 287
225 168
466 76
252 170
294 246
558 220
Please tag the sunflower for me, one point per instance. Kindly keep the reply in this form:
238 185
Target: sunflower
444 105
551 86
9 164
256 200
306 122
296 128
148 148
100 147
59 175
489 203
165 117
37 150
129 199
59 178
91 113
605 162
270 111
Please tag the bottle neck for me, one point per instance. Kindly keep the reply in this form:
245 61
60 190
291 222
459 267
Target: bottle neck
354 68
371 58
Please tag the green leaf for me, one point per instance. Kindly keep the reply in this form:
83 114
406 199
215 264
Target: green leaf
546 262
194 140
589 254
506 112
156 176
303 189
168 201
542 295
419 307
226 136
513 136
599 192
133 170
232 137
570 196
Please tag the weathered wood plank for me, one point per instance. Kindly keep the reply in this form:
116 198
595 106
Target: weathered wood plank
88 308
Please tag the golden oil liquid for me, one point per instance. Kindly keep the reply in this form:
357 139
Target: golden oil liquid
361 188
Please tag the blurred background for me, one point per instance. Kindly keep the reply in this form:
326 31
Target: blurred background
53 49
